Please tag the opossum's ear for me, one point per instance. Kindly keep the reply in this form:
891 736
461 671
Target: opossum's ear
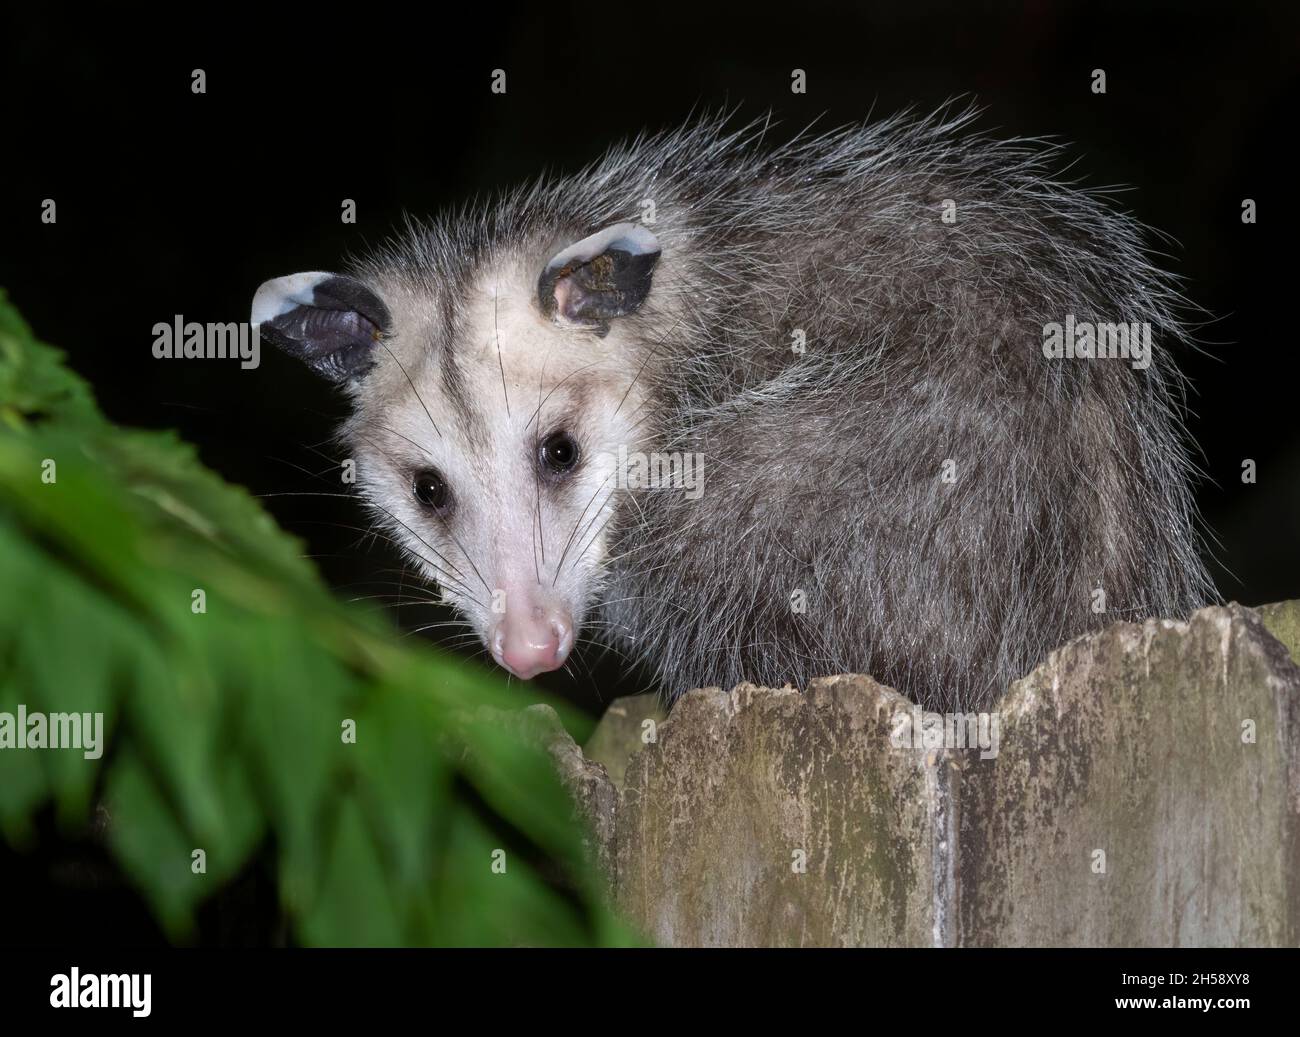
329 322
603 276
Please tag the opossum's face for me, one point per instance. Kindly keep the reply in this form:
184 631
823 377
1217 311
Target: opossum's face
488 434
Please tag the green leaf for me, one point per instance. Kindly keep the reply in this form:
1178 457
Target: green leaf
151 844
354 907
227 720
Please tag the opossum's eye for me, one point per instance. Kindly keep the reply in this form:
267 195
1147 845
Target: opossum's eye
431 489
558 453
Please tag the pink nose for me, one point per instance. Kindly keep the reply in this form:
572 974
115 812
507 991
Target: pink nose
533 643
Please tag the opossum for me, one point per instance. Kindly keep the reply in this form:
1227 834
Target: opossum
850 344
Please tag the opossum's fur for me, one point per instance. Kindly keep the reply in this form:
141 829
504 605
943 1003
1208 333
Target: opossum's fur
923 345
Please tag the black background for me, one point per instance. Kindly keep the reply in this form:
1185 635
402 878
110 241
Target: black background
175 203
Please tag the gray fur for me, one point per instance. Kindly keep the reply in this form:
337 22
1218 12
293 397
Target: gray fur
823 469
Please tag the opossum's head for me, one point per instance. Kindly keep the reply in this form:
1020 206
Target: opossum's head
490 406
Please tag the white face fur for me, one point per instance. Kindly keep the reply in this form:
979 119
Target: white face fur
492 458
502 489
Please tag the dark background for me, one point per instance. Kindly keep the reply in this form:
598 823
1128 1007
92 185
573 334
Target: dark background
171 203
